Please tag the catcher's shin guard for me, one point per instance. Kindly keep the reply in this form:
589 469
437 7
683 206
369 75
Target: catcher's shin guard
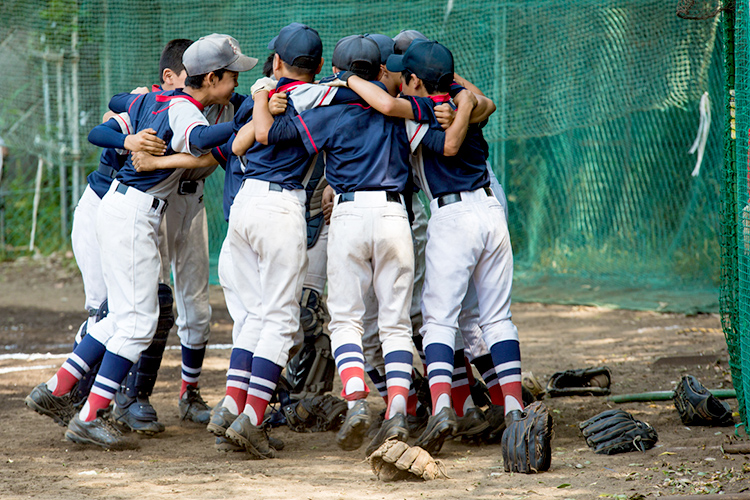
310 372
142 377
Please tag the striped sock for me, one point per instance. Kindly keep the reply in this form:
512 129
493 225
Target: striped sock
265 376
440 373
88 352
460 389
506 355
378 381
113 370
192 364
398 367
350 363
238 379
487 369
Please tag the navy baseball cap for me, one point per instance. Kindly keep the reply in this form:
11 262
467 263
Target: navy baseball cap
298 45
386 45
429 60
358 54
404 39
213 52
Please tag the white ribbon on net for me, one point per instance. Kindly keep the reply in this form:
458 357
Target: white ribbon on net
701 138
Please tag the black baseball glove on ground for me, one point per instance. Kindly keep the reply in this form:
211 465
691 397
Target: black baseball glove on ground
617 431
697 406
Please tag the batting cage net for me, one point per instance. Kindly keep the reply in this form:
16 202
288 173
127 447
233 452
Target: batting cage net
598 105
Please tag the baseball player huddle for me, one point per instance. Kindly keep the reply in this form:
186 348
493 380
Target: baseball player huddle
321 183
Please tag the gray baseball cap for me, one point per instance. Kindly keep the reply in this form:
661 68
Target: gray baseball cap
213 52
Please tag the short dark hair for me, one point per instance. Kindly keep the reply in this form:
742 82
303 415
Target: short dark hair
365 70
430 87
196 81
303 70
268 65
171 56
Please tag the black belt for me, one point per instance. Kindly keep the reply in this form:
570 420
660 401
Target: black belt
122 188
449 198
107 171
272 186
389 196
187 187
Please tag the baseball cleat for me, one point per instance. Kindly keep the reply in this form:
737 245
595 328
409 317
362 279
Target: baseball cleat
226 445
417 423
99 432
393 428
251 437
136 414
472 423
193 407
496 423
58 408
439 427
221 419
352 432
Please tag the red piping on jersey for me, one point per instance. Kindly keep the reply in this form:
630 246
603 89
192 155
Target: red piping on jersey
358 104
165 98
190 129
284 88
220 113
324 96
419 117
308 133
156 88
415 133
440 98
221 154
134 100
162 109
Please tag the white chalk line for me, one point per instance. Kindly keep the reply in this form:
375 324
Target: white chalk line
39 356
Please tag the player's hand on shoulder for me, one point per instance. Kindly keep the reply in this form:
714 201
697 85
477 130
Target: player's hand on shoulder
263 84
445 115
466 98
327 203
140 90
143 162
277 103
146 141
340 79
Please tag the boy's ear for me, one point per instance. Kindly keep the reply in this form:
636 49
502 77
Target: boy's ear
417 81
276 62
320 66
210 79
167 75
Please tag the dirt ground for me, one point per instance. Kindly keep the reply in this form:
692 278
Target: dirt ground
41 303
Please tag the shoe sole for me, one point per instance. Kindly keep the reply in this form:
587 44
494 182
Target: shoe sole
240 440
473 431
73 437
434 442
356 436
34 406
216 429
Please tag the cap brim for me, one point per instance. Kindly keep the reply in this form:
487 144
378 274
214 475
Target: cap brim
243 63
395 63
272 43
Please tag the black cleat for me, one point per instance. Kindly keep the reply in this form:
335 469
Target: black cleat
58 408
251 437
99 431
472 423
193 407
393 428
439 427
352 432
136 414
496 424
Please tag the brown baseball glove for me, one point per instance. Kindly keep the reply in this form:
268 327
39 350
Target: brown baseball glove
396 460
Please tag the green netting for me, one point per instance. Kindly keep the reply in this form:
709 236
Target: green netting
598 104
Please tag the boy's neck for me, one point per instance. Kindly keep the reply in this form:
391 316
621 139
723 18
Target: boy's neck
307 78
200 95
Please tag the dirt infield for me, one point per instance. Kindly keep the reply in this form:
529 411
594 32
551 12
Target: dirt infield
41 305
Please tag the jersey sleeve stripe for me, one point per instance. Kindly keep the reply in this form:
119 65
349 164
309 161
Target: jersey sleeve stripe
322 100
308 133
416 132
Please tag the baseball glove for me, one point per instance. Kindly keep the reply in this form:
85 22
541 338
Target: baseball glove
526 442
617 431
594 381
316 414
697 406
395 460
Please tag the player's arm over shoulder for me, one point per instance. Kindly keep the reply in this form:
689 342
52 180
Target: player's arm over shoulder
380 99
